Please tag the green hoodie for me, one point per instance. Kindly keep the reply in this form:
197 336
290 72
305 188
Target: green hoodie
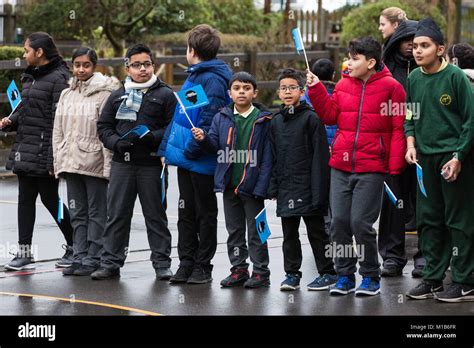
443 111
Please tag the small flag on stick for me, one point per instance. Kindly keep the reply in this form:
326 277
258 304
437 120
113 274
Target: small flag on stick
299 45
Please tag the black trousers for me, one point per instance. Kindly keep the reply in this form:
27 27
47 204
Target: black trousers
318 239
47 188
197 219
391 238
127 181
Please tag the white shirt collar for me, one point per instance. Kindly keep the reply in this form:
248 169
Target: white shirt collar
246 113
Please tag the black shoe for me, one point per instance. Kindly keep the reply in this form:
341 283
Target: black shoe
69 271
456 293
163 273
200 275
85 271
425 290
237 278
67 259
21 262
417 272
391 272
182 274
257 281
105 273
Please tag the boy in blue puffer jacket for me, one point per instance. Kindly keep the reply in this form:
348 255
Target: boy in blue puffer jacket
240 135
197 213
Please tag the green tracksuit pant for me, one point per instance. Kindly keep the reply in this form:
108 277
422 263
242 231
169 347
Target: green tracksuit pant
445 219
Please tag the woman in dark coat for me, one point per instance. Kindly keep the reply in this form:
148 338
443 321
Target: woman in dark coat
397 55
31 158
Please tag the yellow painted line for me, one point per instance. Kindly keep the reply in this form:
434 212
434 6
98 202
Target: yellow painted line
413 233
101 304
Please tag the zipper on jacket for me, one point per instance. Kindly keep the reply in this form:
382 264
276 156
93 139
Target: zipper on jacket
248 153
358 126
382 149
408 68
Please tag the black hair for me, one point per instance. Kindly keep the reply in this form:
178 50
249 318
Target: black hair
324 69
44 41
464 54
368 47
243 76
137 49
85 51
293 74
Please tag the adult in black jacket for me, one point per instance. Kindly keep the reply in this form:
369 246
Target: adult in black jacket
398 51
394 220
136 169
31 157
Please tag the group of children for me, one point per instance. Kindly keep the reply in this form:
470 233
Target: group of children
287 158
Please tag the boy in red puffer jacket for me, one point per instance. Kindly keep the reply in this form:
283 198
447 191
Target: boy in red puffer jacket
368 107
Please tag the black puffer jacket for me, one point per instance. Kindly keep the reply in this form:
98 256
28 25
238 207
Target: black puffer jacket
32 152
399 66
300 175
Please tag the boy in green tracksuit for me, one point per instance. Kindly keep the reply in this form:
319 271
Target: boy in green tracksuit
440 138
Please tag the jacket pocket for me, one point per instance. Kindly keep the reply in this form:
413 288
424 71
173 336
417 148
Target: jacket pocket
152 108
89 157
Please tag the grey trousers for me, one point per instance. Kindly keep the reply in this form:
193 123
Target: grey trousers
126 182
356 201
87 198
240 212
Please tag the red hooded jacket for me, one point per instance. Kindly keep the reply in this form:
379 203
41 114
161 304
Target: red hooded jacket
369 118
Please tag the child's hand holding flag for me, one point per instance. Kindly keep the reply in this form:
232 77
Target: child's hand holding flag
198 134
311 79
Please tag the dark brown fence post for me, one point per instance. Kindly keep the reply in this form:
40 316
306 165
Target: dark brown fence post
251 64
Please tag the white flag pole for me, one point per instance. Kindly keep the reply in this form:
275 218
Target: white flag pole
184 109
304 50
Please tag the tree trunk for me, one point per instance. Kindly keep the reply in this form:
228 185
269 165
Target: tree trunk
267 7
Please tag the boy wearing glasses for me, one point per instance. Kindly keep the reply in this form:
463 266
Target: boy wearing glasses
144 100
300 181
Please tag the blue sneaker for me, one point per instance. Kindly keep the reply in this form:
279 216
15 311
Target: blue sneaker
370 286
292 282
322 282
343 286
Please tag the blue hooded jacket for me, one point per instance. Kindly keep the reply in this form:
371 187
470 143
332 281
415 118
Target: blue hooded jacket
178 146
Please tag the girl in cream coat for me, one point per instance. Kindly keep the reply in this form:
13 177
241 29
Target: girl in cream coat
81 159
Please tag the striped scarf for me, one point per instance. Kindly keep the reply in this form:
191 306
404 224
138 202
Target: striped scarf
132 99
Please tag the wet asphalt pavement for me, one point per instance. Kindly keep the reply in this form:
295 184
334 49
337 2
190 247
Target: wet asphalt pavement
45 291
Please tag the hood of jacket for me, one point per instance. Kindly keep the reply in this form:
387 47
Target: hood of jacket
470 74
228 111
406 29
96 83
38 71
217 66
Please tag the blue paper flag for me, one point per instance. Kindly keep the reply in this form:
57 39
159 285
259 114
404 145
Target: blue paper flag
141 131
262 226
419 176
163 185
299 45
193 97
390 194
14 95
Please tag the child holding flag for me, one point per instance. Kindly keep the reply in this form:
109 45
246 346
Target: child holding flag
440 139
300 181
368 145
197 213
242 127
132 125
